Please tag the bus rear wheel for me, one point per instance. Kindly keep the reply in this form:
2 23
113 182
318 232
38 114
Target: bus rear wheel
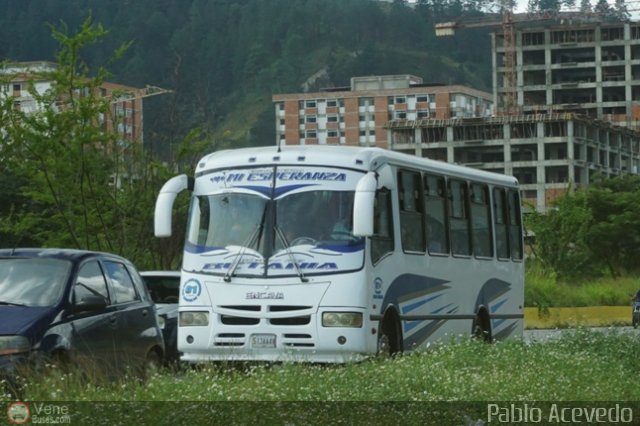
481 328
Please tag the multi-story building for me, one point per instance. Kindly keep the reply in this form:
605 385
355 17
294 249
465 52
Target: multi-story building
578 112
592 68
126 115
357 115
548 153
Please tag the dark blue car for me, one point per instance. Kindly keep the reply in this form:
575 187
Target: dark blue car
75 306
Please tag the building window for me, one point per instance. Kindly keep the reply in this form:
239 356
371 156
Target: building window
401 115
332 134
332 102
332 119
310 119
401 100
310 104
365 102
311 134
422 98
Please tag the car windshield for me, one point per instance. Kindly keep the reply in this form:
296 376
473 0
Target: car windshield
32 282
163 288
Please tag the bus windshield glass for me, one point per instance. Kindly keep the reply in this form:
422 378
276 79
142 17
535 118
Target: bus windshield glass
274 230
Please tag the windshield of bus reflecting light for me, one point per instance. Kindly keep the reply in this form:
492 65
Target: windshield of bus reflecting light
302 231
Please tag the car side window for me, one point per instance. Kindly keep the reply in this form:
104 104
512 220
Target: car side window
90 282
123 288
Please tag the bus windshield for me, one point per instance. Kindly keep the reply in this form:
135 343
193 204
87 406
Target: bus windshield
299 232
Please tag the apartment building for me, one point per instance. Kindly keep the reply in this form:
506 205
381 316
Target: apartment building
126 115
358 114
592 68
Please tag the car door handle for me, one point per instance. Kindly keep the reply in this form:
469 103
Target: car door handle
145 312
112 319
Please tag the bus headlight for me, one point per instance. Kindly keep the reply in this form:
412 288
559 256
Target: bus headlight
342 319
10 345
193 319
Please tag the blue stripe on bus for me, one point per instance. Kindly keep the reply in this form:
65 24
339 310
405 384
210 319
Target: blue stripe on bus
277 192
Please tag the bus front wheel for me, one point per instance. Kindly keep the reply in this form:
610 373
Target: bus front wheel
389 337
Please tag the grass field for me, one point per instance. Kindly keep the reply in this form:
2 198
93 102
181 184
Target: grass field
444 385
585 316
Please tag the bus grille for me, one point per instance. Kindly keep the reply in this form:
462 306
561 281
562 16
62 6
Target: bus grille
238 317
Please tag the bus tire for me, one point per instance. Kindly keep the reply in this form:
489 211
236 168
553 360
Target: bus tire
389 336
481 328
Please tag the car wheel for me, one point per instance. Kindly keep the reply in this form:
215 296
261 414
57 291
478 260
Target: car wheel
152 363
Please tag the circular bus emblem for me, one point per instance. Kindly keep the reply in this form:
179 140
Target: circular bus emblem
191 290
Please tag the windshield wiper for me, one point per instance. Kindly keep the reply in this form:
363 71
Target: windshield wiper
2 302
236 261
285 243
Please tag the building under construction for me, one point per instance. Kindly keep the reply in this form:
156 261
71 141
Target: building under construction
576 112
547 153
588 67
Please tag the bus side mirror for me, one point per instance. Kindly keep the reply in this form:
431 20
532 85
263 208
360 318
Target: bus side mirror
363 205
164 204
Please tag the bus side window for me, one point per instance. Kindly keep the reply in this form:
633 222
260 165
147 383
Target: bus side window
459 218
382 239
500 223
435 196
515 225
411 211
481 221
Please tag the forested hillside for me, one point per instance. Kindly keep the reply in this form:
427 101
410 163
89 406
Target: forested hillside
225 58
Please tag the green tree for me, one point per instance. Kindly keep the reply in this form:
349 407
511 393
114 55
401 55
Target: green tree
585 6
80 184
560 237
614 236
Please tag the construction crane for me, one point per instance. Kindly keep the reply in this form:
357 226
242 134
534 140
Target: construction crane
508 20
129 94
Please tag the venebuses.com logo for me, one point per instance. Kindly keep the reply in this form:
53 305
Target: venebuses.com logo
18 413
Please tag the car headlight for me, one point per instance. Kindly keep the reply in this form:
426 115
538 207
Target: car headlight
161 321
194 319
10 345
342 319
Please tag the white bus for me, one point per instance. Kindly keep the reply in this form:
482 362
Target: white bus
330 254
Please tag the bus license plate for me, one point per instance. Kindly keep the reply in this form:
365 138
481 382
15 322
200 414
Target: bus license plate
263 341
